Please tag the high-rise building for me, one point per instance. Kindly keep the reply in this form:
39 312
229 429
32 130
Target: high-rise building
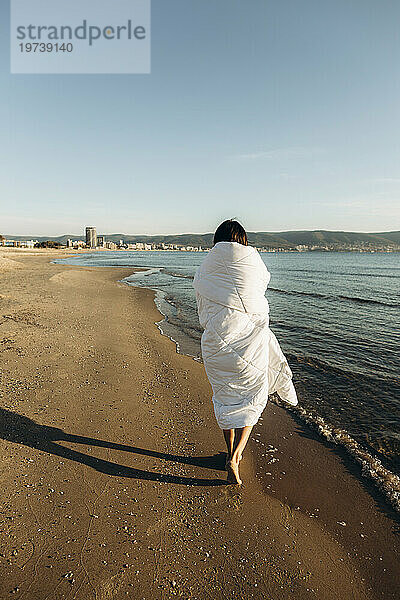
91 237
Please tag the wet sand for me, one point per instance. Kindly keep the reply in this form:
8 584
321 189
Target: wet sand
112 471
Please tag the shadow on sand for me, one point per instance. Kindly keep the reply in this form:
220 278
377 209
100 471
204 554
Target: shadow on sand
22 430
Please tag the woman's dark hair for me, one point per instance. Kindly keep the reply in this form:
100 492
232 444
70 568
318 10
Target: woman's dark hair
230 231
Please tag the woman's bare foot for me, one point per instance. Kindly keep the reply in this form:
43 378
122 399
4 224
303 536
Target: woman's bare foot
233 472
228 458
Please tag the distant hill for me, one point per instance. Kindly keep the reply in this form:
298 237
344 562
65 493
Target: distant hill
391 235
324 237
282 239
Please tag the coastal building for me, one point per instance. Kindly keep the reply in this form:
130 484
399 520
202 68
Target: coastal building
91 237
101 241
111 245
18 243
189 248
76 244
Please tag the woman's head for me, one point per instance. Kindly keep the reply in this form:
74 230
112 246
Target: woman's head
230 231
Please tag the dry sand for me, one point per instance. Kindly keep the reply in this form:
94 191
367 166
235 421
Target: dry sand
112 466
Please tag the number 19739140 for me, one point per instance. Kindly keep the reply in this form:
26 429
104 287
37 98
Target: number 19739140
43 47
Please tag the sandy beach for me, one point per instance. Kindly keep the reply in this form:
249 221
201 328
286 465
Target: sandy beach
112 470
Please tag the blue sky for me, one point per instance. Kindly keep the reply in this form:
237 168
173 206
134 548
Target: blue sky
284 114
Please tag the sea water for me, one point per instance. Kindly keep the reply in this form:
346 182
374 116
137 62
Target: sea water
337 318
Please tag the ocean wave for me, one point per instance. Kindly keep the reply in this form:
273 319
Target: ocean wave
175 274
320 365
348 273
142 271
334 297
369 301
371 467
177 319
377 381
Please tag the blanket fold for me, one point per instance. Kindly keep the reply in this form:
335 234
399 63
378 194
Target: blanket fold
242 357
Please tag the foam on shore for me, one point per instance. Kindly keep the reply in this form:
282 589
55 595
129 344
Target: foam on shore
371 467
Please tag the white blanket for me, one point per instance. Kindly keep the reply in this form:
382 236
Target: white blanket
242 357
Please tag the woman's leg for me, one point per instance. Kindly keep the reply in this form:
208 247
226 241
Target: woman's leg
229 435
236 447
241 437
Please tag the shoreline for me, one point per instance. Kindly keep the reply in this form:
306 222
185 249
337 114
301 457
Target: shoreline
81 354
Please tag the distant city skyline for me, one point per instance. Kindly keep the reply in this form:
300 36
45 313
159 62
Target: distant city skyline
283 115
82 235
299 241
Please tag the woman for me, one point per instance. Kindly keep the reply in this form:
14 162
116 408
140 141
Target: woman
241 355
